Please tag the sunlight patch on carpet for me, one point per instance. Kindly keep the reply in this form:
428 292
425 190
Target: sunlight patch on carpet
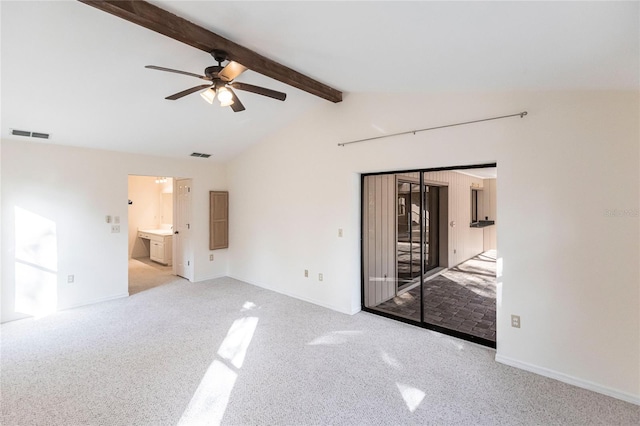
209 402
235 345
412 396
334 338
390 360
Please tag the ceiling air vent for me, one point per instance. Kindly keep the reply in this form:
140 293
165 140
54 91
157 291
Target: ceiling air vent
198 154
29 134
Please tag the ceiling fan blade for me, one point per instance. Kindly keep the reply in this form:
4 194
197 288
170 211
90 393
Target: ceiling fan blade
187 92
231 71
236 106
259 90
153 67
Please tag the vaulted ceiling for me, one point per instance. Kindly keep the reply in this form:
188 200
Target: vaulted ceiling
78 73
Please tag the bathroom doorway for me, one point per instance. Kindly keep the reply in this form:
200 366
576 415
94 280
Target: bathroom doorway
151 227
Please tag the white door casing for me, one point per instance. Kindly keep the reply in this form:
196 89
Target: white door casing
182 232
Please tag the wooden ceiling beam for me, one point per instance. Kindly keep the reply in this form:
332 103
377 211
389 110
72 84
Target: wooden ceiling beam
170 25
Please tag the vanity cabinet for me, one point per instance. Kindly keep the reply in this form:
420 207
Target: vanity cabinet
160 246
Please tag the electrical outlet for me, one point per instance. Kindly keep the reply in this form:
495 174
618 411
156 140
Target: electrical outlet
515 321
116 219
107 219
70 278
320 277
115 229
340 232
211 257
306 273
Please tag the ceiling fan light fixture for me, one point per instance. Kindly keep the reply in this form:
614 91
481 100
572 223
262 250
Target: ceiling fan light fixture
208 95
225 96
226 103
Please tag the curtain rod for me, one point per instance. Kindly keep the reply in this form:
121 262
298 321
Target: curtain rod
520 114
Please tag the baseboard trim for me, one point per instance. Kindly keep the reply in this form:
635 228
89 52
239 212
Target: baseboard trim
295 296
199 280
94 301
581 383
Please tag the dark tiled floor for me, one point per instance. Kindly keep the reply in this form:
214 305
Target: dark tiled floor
463 298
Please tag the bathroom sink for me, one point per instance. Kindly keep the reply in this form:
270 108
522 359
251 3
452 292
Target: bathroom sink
161 232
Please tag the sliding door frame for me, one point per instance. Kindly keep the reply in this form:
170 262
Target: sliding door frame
421 323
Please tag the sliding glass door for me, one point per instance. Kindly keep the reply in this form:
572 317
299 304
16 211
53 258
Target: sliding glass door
424 259
401 222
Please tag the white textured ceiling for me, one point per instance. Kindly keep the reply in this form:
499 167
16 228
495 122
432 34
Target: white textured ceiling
78 73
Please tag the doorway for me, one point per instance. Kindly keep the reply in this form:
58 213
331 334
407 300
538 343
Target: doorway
150 231
429 249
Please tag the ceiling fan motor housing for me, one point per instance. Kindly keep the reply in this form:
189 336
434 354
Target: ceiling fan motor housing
212 71
219 55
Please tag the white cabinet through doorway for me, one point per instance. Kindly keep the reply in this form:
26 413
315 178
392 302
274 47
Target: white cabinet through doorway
160 246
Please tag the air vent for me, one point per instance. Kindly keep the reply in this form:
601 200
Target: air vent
198 154
29 134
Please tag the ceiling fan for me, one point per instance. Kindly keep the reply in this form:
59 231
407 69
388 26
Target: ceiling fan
222 82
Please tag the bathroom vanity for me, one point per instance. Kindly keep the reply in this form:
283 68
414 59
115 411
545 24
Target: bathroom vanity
160 244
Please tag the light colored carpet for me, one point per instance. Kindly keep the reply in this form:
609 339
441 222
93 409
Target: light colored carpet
224 351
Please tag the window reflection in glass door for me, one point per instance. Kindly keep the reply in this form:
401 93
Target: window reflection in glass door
408 233
431 225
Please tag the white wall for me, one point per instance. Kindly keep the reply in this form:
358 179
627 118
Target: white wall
569 270
76 188
489 198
